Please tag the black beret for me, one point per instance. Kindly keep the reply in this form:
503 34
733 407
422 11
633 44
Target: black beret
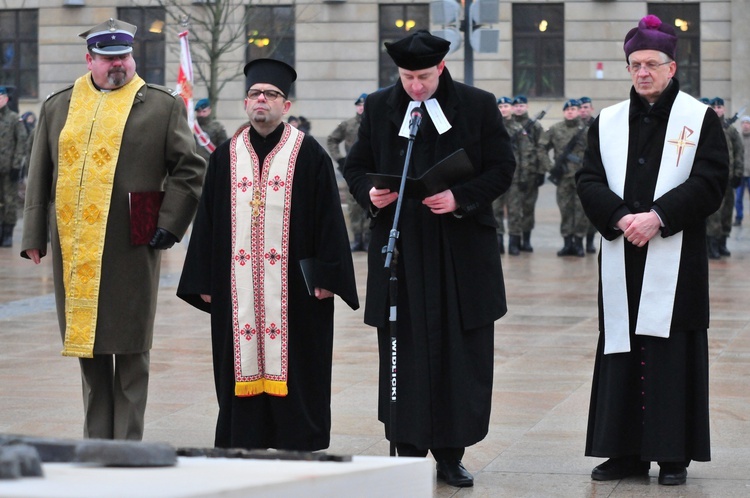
419 50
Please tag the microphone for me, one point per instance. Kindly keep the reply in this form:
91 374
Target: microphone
416 119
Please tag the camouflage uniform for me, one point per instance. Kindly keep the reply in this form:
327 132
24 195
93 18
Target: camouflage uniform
591 230
719 224
514 199
346 132
537 171
574 223
215 131
12 153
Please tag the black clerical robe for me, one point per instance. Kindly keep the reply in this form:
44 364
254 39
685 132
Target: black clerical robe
301 420
653 400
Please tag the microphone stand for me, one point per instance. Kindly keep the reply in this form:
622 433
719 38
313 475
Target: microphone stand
391 262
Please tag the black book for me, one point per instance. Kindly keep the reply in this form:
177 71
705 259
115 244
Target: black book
448 172
308 273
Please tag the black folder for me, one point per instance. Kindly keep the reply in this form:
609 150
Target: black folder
446 173
307 266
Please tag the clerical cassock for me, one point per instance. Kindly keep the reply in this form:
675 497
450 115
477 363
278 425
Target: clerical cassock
269 207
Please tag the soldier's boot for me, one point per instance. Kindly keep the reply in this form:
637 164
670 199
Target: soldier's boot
713 248
567 249
590 247
723 251
500 243
513 245
358 244
7 235
578 247
526 242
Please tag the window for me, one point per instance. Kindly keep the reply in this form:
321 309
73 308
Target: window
270 33
19 53
396 22
149 46
539 50
685 17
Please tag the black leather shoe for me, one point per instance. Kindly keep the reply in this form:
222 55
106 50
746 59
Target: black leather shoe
672 474
619 468
455 474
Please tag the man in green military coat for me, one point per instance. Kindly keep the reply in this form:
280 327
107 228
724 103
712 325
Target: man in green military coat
109 135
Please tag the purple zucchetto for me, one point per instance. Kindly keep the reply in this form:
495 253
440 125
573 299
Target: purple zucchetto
651 34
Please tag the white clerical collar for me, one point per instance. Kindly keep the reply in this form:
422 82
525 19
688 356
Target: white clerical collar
436 114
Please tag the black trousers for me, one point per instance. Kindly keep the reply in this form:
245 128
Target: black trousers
440 454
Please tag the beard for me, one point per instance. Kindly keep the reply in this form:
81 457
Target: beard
117 77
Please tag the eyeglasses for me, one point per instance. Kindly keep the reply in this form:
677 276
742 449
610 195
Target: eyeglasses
270 95
649 66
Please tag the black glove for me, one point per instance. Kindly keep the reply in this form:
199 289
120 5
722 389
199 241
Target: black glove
735 181
341 162
539 179
162 239
15 175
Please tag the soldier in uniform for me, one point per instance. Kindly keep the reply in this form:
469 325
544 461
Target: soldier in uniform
215 130
745 184
12 152
719 224
346 133
525 174
533 129
586 113
567 140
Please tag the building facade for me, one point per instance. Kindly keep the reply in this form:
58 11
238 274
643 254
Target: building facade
550 51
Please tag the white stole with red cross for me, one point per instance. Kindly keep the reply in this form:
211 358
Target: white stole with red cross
261 205
663 257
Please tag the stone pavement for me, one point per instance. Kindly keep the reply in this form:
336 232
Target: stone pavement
544 353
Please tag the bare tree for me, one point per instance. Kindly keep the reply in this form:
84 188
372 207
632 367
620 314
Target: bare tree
217 28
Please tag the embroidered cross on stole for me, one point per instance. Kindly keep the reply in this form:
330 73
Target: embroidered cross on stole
261 205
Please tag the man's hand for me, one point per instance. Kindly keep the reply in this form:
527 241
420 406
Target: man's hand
441 203
162 239
34 255
322 293
206 298
380 198
639 228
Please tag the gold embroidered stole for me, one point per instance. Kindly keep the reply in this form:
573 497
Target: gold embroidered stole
663 257
89 146
261 204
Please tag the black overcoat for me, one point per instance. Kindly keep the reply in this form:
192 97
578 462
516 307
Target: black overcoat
450 281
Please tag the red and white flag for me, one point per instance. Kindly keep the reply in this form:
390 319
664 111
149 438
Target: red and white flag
185 89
